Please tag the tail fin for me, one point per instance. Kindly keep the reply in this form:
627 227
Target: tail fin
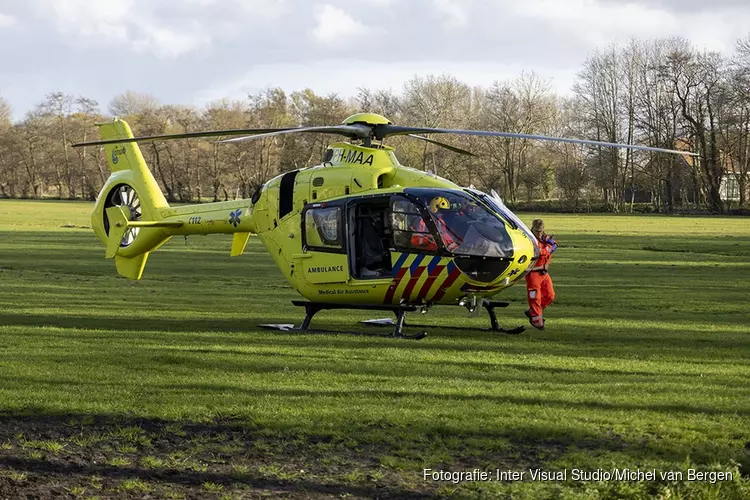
128 157
132 187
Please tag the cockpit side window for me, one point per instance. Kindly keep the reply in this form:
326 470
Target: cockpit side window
410 231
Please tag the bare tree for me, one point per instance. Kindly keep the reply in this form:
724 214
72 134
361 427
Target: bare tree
695 80
55 111
309 109
658 122
600 87
735 122
383 102
28 148
434 101
525 105
6 113
91 170
223 160
131 103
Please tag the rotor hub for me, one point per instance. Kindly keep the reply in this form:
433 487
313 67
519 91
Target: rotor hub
367 119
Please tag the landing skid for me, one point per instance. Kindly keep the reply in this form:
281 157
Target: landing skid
399 310
489 306
312 308
389 322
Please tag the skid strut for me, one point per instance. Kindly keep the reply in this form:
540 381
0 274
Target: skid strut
312 308
489 306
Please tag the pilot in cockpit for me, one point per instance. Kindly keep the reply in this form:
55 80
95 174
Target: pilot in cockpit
443 213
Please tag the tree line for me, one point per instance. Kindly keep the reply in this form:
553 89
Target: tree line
662 93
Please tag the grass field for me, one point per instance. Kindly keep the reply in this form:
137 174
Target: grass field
166 388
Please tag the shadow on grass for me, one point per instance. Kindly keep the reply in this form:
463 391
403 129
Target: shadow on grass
392 396
447 398
630 343
132 322
124 323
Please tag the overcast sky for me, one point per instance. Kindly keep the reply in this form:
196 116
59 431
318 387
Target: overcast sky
195 51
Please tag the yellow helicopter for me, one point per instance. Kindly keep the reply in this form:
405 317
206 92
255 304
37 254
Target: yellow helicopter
359 231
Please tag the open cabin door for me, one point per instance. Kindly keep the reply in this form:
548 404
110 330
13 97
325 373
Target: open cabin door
370 241
383 232
323 231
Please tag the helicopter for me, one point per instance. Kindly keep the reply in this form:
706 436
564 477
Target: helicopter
358 231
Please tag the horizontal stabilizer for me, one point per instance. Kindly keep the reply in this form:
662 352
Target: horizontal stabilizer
119 223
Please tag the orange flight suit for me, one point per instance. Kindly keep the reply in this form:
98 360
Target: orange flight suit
539 284
424 240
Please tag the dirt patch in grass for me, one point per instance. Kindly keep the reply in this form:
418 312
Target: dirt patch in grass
83 456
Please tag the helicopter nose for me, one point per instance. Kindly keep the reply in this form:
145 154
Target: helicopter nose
482 270
525 252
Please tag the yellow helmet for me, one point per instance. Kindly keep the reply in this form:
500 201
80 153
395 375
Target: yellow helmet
439 202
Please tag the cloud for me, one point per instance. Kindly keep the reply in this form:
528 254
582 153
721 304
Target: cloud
87 18
181 50
454 16
239 11
597 23
687 5
379 3
335 27
7 21
124 22
167 43
345 76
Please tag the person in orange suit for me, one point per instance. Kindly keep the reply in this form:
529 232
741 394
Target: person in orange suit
423 239
539 288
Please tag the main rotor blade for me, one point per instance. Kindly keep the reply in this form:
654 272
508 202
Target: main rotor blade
186 135
442 144
382 131
351 131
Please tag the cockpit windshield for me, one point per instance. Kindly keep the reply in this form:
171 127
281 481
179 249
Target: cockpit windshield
496 203
465 226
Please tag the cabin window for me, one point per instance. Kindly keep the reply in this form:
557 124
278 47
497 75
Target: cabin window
324 228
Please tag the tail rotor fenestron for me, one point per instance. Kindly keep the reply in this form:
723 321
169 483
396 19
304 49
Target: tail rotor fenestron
124 196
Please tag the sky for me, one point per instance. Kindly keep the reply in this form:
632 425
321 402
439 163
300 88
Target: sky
196 51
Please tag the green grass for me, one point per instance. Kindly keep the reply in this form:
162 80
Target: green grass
644 365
